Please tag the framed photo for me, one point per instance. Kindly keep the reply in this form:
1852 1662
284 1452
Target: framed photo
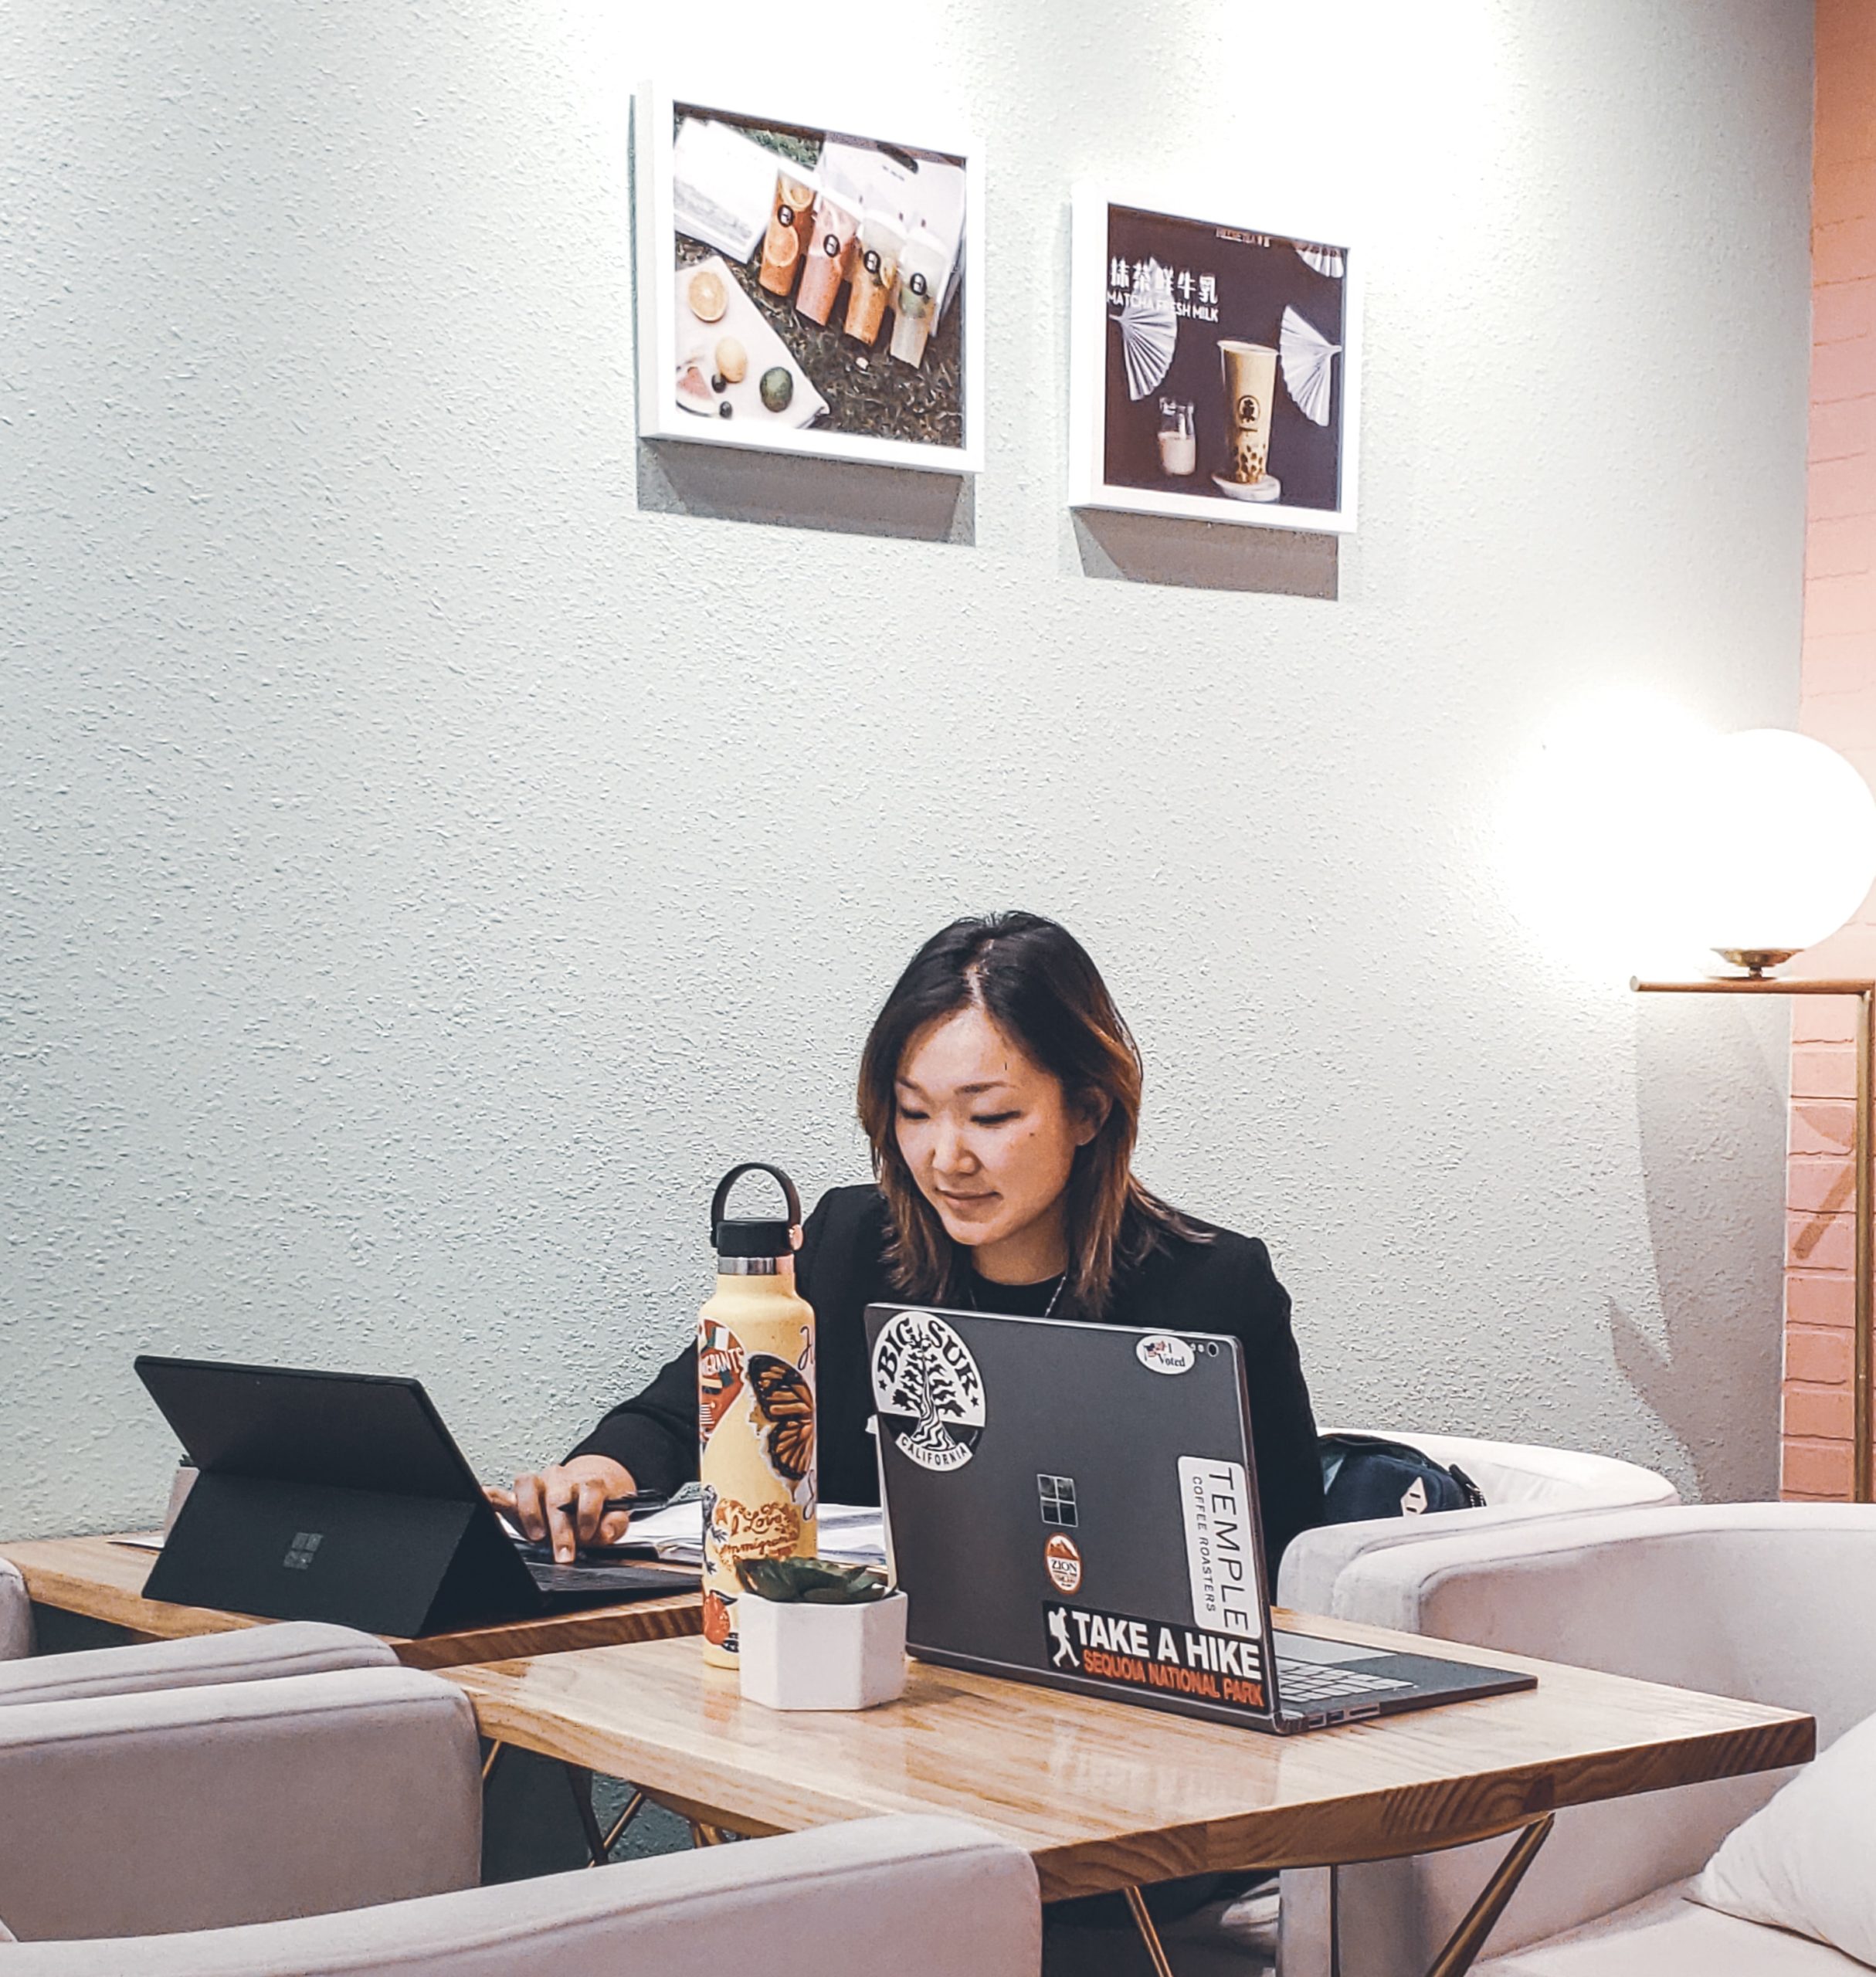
807 288
1214 368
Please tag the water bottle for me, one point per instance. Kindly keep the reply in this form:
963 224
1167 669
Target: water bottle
756 1405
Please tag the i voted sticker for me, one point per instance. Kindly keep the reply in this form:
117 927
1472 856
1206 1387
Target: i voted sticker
1160 1352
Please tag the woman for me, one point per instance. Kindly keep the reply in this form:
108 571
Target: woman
1000 1090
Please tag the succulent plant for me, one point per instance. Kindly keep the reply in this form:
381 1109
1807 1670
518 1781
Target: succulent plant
810 1581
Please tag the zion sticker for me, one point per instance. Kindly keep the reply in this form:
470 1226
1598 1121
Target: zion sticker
1164 1658
1063 1561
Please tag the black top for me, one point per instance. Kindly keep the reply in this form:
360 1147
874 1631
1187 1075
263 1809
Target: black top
1225 1285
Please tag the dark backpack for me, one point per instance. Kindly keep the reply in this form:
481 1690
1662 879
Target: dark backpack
1365 1476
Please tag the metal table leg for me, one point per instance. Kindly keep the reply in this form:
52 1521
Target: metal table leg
1464 1944
634 1805
1149 1932
579 1782
1315 1914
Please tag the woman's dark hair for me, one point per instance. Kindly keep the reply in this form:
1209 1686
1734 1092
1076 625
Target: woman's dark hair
1034 980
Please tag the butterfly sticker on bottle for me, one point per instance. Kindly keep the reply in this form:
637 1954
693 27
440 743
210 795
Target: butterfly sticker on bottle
785 1402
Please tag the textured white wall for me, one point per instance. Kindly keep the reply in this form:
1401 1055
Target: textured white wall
431 853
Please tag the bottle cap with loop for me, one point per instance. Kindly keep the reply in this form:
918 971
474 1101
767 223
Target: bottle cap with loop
753 1237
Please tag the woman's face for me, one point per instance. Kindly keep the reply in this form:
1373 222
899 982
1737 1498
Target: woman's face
990 1137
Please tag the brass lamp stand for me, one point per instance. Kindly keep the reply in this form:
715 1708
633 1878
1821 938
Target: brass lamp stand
1757 982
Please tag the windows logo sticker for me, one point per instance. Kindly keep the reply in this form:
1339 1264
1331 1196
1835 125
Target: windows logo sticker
1057 1495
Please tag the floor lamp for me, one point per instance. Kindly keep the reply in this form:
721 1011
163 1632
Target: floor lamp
1863 1430
1779 835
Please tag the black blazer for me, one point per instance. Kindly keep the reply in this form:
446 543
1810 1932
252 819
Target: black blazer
1225 1285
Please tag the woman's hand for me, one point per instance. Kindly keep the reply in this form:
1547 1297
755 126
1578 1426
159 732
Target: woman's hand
564 1504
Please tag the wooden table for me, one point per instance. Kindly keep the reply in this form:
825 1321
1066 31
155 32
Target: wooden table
103 1580
1106 1795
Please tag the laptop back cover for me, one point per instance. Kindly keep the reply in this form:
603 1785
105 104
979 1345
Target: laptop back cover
1073 1502
328 1496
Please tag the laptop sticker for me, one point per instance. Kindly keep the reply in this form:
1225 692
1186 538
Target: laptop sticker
1159 1352
1215 1499
1063 1562
927 1391
1057 1494
1166 1659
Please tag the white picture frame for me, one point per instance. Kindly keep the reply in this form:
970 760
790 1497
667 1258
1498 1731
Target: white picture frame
943 393
1253 274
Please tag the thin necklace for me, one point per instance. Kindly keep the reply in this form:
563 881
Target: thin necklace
1048 1310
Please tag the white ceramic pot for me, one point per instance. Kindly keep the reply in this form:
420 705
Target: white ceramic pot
795 1656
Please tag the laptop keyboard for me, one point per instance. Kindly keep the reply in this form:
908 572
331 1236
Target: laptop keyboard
1310 1681
603 1580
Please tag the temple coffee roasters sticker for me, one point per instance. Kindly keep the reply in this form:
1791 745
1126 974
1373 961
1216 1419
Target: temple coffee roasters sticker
928 1392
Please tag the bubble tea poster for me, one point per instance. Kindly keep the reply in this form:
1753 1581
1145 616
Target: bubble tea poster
1214 369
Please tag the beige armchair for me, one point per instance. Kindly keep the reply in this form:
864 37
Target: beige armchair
330 1822
1772 1602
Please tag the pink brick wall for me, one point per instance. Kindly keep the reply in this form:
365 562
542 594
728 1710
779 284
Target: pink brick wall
1838 706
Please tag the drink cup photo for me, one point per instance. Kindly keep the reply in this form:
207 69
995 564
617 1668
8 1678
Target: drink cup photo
921 280
789 231
830 254
876 270
1250 385
1178 444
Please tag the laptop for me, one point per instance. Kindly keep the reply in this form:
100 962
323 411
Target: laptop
342 1496
1076 1504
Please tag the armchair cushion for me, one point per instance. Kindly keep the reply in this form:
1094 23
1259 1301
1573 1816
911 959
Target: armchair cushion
1804 1862
920 1897
242 1654
199 1808
1666 1935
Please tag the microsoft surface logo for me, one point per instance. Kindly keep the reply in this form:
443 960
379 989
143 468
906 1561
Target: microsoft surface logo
300 1553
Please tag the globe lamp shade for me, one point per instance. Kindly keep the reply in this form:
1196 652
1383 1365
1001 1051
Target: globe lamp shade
1782 844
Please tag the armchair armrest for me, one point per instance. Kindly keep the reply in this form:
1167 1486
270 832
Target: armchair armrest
199 1808
920 1897
15 1614
242 1654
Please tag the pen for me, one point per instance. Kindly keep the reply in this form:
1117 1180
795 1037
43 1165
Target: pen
638 1501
